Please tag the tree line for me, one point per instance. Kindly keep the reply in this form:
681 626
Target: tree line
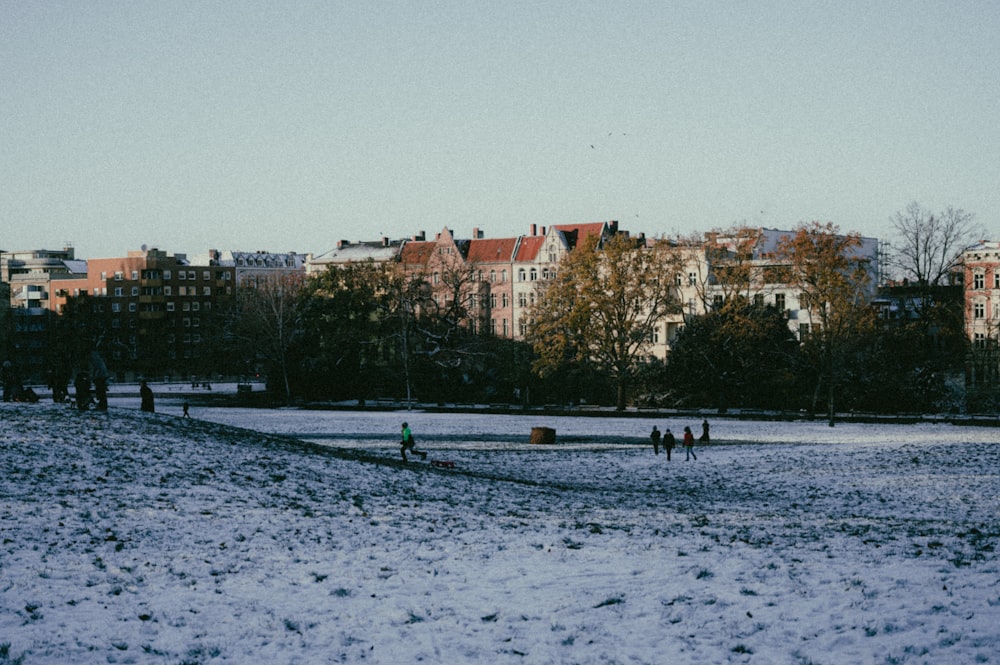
366 331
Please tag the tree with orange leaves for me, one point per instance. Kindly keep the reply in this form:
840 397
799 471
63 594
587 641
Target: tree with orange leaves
833 278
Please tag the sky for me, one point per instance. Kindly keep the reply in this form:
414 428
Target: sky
288 126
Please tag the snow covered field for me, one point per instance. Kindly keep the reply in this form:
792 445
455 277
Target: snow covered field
139 538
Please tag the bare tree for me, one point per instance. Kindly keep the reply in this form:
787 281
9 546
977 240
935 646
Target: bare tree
929 245
266 320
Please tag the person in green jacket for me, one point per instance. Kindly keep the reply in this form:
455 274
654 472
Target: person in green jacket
408 443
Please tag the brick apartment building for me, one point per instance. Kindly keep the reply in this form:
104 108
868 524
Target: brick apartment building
151 313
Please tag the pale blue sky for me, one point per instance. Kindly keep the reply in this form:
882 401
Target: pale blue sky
290 125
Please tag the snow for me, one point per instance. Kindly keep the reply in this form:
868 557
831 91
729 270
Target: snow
286 536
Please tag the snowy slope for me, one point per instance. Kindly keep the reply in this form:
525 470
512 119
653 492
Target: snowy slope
138 538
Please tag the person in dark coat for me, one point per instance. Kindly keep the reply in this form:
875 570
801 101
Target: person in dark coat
704 432
654 436
82 387
99 372
9 379
669 442
146 394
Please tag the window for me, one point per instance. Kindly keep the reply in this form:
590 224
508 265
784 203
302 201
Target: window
135 290
135 274
717 302
522 299
493 326
166 274
119 292
979 339
493 300
181 274
520 275
191 274
758 300
506 333
522 328
436 278
996 278
195 306
206 275
132 307
104 276
979 281
186 306
170 306
116 307
206 290
779 300
533 274
493 275
504 302
168 291
692 278
119 276
979 310
503 275
654 335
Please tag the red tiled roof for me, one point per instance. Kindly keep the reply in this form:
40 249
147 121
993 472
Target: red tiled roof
491 251
528 250
417 252
575 232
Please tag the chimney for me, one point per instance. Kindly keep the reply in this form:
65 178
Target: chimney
385 241
343 243
476 233
534 230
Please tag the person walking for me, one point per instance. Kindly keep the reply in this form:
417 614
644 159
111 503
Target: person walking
146 395
669 442
409 443
689 445
82 386
654 436
99 373
704 432
187 409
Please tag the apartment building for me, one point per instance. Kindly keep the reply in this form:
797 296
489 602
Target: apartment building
153 312
252 267
27 277
982 293
767 285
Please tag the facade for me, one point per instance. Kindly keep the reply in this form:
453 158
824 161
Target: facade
27 284
982 293
152 312
767 287
251 267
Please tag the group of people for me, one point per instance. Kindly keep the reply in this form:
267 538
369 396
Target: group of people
669 441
